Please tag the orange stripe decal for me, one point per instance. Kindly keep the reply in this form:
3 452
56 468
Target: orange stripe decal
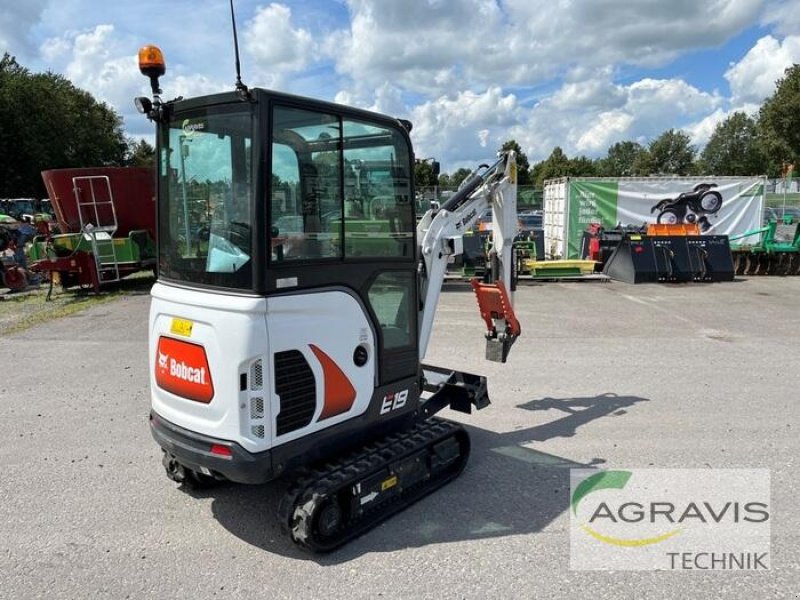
339 392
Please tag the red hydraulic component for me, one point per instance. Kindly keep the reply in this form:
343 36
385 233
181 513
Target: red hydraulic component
495 306
77 269
593 234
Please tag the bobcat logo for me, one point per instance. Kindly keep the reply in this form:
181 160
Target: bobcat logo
162 360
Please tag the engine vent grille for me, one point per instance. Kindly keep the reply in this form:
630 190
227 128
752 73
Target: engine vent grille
256 408
258 431
256 376
297 388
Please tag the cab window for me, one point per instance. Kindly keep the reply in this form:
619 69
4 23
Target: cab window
205 235
340 189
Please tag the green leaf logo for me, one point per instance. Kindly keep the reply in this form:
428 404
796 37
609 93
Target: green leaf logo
599 481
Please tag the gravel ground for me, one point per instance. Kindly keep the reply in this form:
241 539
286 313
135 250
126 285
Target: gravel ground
606 375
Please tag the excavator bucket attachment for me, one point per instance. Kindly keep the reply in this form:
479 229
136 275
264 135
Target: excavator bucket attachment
501 323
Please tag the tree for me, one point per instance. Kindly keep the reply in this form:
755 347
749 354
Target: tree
582 166
642 164
423 174
451 182
671 153
48 123
734 148
140 154
779 120
555 165
523 166
620 160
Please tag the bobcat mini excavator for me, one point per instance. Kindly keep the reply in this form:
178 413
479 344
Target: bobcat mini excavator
295 299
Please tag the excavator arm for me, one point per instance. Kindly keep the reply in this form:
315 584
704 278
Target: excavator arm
440 234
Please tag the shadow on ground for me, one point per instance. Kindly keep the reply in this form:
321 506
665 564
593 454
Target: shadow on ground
508 489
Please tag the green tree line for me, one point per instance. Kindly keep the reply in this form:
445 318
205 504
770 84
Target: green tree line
739 145
48 123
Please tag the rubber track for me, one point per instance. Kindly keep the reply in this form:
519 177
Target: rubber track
312 488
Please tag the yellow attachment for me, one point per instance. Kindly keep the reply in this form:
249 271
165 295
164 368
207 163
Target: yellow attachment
151 61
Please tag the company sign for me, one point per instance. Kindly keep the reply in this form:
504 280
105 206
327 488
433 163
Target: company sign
670 519
182 369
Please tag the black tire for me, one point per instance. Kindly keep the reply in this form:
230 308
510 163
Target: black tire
15 279
669 216
710 201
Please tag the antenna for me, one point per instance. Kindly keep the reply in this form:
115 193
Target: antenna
241 88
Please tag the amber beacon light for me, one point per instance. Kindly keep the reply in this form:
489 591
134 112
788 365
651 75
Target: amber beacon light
152 65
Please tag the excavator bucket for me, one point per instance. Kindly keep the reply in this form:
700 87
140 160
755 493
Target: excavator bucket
501 323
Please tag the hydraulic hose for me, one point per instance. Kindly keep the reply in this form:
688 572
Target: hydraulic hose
472 184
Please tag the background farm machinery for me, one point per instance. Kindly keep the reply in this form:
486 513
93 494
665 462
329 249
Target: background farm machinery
776 253
106 217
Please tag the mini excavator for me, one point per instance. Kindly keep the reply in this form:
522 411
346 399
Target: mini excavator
295 300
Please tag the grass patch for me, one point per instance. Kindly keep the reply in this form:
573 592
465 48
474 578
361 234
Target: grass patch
21 311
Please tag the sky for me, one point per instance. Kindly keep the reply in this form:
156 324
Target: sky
469 74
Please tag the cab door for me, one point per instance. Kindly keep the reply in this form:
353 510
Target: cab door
341 277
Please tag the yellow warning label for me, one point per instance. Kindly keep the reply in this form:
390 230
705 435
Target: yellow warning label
181 327
636 238
389 483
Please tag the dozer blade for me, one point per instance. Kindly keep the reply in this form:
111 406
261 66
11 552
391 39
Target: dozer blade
337 502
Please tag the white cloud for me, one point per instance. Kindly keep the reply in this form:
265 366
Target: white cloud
464 129
103 62
784 16
610 127
753 78
436 46
275 45
639 112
